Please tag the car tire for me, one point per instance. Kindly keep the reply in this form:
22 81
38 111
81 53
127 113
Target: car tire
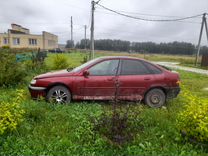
155 98
58 95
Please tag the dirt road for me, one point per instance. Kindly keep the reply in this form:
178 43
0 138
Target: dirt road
175 65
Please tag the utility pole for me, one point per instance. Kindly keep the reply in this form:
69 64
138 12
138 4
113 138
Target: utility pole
72 32
85 36
206 28
92 47
92 30
204 22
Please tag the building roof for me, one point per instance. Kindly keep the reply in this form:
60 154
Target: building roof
19 26
16 31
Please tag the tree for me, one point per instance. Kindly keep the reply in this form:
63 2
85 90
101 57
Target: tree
69 44
81 44
175 47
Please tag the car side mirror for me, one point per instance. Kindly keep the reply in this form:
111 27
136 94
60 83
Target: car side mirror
86 73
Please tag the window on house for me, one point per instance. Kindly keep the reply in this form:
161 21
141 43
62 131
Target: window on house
16 41
32 41
6 41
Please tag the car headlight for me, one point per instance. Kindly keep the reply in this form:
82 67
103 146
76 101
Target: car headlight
33 81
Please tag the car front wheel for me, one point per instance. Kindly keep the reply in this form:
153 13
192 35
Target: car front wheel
155 98
59 95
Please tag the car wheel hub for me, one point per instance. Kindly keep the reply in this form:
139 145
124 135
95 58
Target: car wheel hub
155 99
59 99
59 96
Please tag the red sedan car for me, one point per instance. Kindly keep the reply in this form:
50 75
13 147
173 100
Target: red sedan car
99 79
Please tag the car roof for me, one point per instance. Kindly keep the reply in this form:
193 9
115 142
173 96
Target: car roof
119 57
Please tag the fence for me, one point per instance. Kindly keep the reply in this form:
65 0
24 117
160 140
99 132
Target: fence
34 56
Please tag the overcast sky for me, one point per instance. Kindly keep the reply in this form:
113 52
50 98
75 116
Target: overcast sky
54 16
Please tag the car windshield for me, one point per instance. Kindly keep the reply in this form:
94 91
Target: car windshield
84 65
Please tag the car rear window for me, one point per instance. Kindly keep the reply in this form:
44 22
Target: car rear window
152 68
165 67
133 67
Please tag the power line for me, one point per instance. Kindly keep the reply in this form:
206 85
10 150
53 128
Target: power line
97 2
154 15
146 14
153 20
192 22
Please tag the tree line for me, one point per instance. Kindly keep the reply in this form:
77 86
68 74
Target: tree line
140 47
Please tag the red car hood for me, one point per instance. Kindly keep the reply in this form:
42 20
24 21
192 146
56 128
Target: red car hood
61 73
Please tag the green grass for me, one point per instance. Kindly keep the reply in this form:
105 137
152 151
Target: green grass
67 129
183 59
74 59
196 83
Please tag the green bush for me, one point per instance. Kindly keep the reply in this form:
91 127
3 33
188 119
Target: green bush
85 59
5 47
193 120
11 72
11 114
34 66
59 61
119 125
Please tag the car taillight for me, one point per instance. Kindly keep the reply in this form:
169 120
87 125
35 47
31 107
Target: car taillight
178 82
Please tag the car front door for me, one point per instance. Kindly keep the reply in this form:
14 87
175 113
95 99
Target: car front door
134 78
100 83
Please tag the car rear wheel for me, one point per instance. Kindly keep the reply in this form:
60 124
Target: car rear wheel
155 98
59 95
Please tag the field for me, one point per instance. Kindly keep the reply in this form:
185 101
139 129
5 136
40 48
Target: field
185 60
50 129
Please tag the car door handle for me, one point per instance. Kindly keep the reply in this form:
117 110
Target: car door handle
111 79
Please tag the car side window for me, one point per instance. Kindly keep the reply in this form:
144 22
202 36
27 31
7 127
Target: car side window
133 67
104 68
152 68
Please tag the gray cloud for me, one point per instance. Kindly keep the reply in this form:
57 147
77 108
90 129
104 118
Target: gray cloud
54 16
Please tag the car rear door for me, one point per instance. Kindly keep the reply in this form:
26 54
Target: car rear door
134 79
100 84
